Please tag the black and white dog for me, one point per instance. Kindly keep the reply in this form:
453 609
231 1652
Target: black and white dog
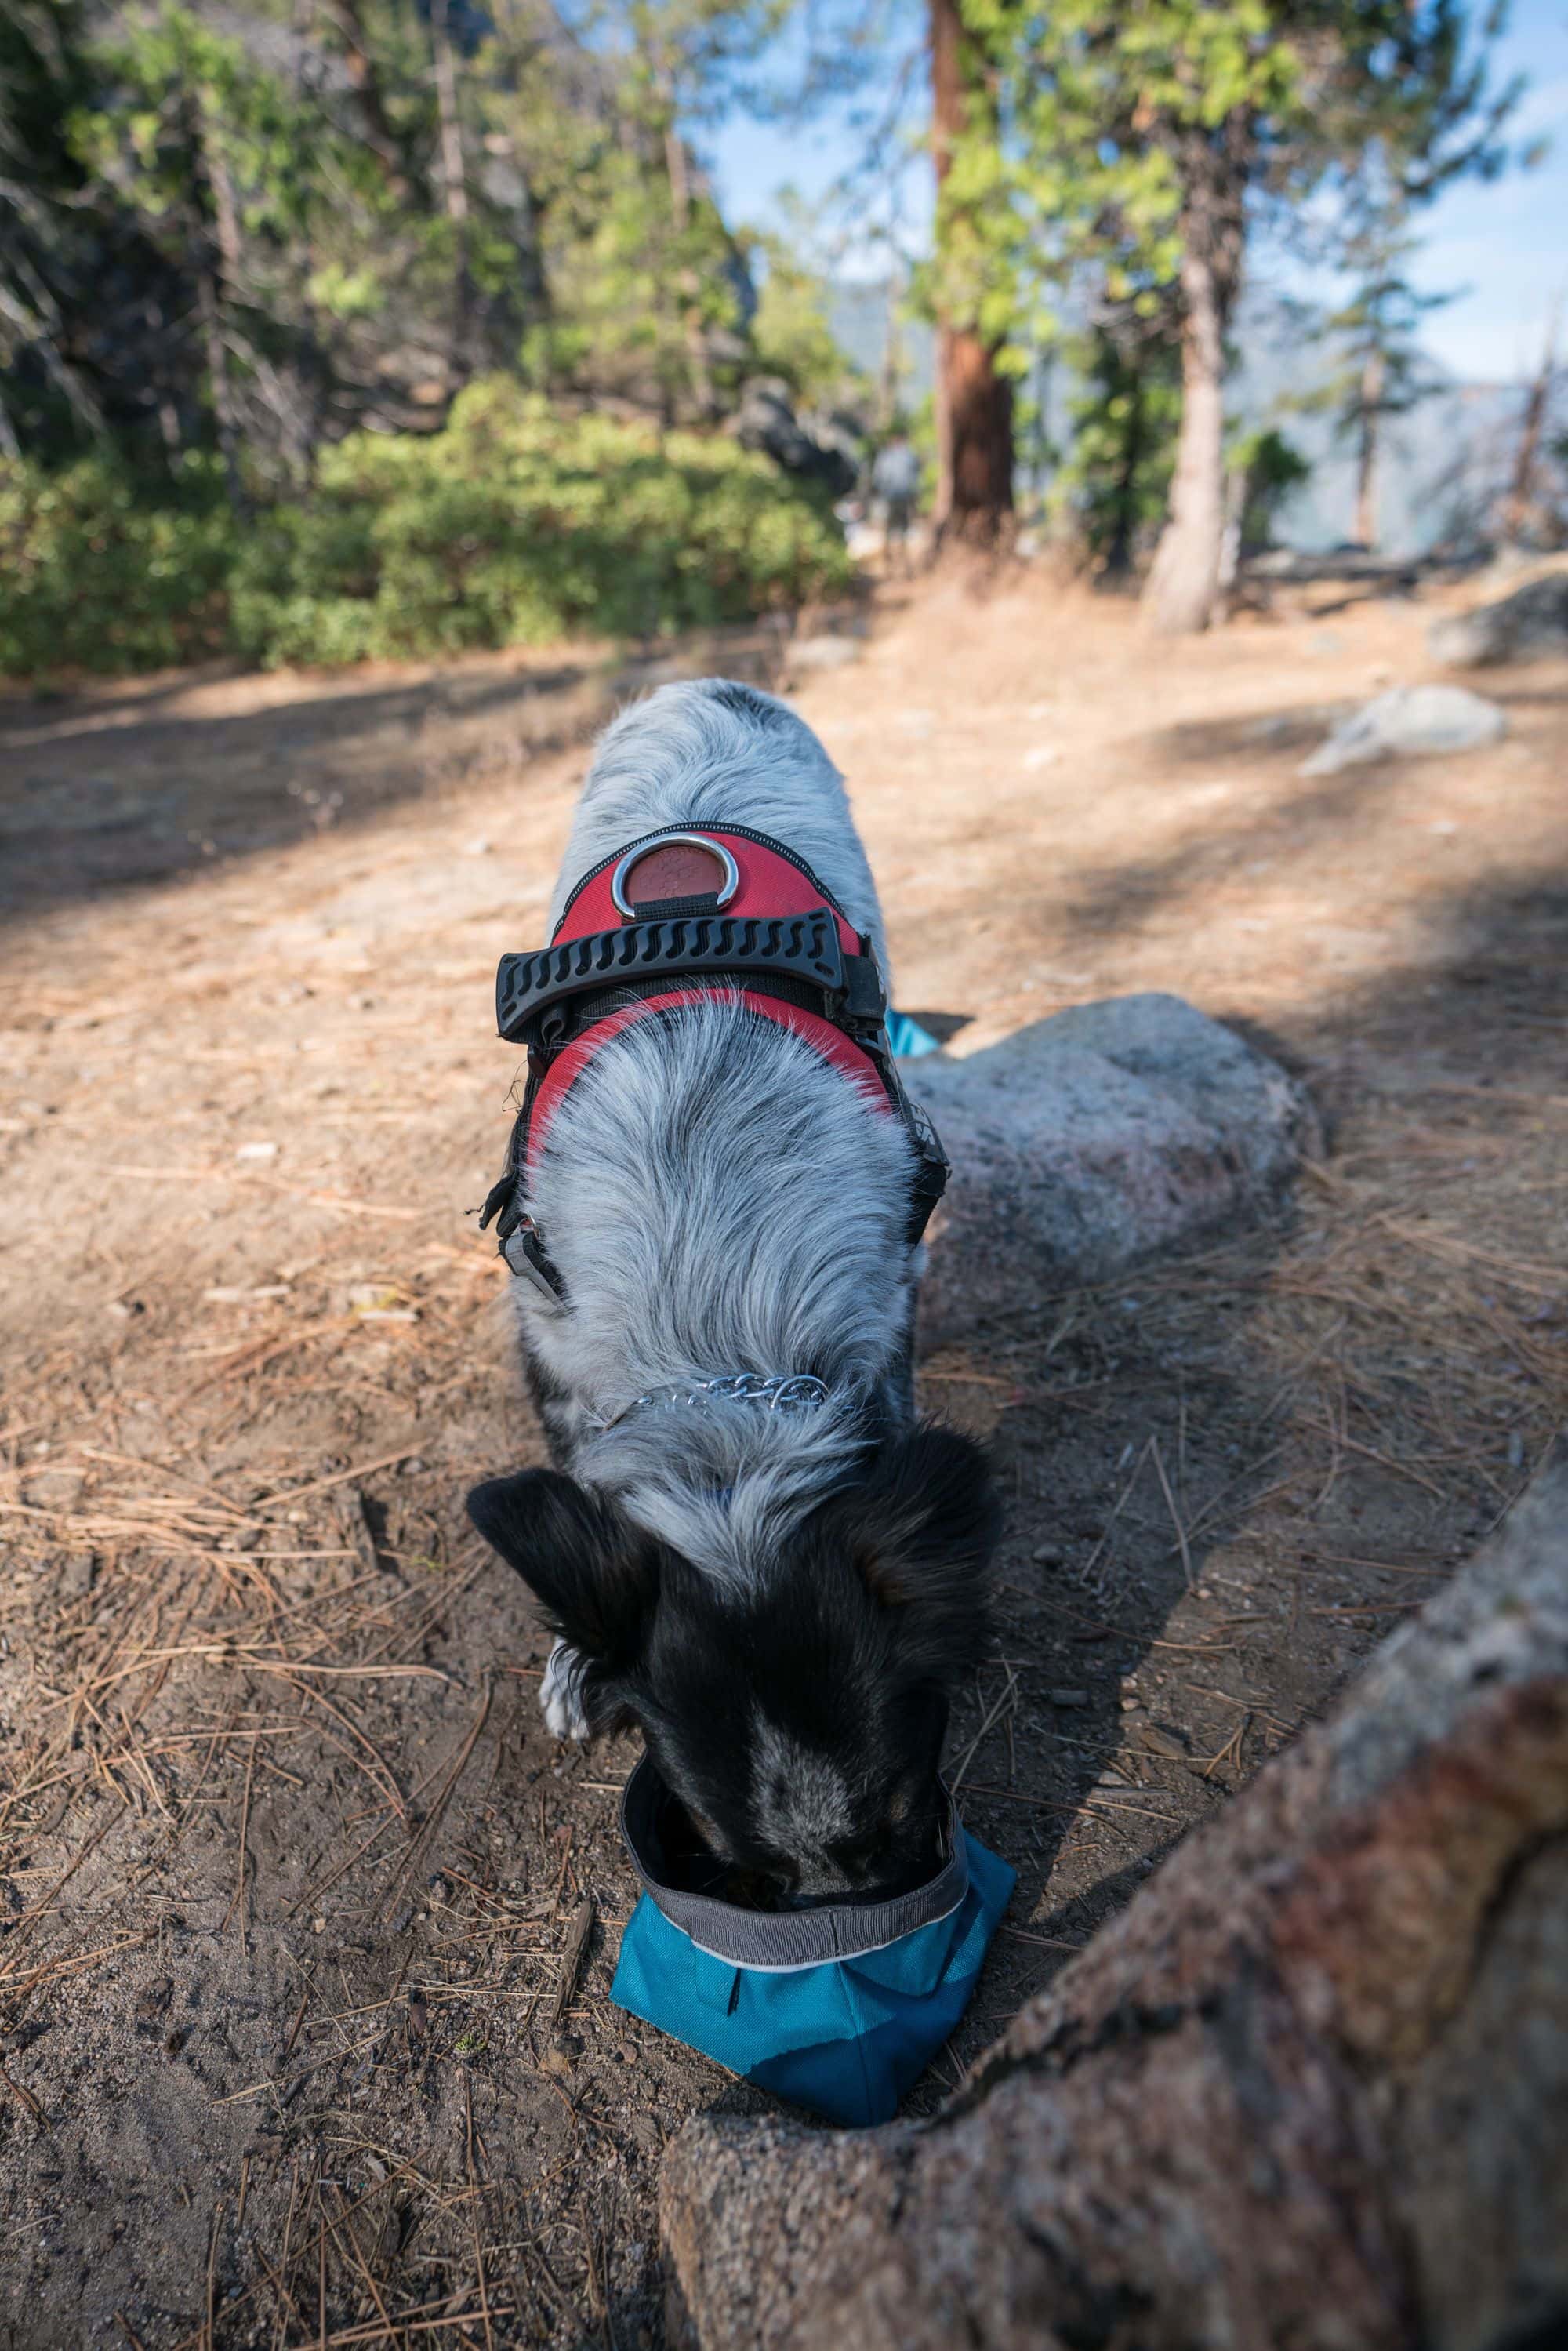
781 1598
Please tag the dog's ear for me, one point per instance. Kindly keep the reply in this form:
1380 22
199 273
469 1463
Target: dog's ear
596 1574
920 1532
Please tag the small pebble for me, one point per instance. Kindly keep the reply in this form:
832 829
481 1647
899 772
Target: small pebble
317 1926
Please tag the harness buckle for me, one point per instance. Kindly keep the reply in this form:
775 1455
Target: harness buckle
525 1252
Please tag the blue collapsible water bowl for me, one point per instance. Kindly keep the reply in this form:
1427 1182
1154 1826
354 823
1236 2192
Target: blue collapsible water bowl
838 2009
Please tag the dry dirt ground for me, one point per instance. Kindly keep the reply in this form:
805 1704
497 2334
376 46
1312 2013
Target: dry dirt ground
289 1862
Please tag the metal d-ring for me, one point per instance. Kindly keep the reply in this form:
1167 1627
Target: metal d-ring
635 855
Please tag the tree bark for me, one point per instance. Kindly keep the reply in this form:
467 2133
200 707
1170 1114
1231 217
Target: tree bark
1119 554
1518 507
364 81
688 286
974 403
455 185
217 269
1183 579
1308 2090
1371 421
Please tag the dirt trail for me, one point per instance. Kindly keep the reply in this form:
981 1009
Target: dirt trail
290 1863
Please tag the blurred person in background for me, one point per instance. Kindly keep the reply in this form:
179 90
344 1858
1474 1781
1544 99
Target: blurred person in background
895 481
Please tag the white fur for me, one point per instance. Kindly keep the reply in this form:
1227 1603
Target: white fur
690 756
800 1799
561 1693
716 1197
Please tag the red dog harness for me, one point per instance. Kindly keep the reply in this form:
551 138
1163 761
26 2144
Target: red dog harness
676 916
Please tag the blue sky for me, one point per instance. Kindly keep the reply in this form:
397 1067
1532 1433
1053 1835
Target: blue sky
1505 246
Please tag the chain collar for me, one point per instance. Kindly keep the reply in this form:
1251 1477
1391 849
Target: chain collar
784 1391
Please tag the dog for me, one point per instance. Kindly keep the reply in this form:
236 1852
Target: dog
750 1545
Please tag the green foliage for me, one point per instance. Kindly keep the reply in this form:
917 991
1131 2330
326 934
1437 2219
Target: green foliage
790 334
50 248
1268 468
1380 369
96 574
313 213
514 525
637 297
1124 418
1124 129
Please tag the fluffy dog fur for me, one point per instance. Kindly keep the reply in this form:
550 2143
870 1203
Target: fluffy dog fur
780 1601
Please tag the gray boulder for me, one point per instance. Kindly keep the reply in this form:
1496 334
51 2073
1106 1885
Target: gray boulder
816 449
1532 620
1090 1140
1406 721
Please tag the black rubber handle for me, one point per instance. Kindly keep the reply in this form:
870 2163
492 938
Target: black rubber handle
803 946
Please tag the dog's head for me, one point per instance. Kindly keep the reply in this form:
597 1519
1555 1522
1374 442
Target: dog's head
797 1716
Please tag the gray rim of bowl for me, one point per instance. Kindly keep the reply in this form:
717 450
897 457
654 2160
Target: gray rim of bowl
792 1938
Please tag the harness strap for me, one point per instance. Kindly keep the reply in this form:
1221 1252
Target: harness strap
570 1062
784 949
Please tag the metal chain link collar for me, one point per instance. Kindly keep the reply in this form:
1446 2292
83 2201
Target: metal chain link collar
786 1392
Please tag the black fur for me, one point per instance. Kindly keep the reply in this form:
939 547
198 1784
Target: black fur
799 1722
747 702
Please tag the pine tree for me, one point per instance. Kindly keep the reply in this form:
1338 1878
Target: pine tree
973 400
1146 145
1383 372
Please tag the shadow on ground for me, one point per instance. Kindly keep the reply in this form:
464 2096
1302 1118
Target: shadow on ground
98 793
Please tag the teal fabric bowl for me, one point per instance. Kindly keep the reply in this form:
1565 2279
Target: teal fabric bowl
838 2009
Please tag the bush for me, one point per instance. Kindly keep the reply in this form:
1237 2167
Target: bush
95 574
512 526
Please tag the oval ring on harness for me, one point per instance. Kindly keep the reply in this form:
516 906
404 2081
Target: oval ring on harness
713 851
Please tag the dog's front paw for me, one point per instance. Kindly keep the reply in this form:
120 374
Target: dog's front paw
561 1693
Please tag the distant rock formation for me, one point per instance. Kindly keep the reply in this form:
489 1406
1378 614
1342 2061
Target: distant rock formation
824 449
1533 621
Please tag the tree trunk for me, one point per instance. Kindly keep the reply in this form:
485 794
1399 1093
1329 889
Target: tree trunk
1183 579
1371 423
454 183
210 310
974 403
1119 554
1518 507
890 374
1309 2089
217 269
359 62
688 286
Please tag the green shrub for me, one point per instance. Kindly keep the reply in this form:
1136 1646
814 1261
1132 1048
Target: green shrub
513 525
96 575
